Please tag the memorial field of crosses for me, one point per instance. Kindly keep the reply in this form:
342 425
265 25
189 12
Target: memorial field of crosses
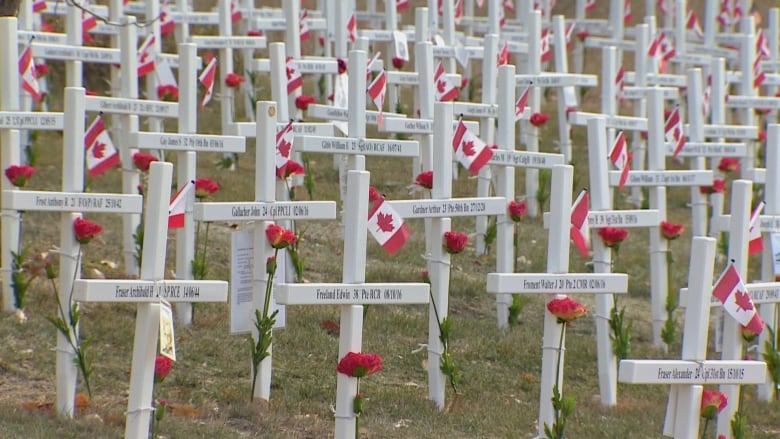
567 238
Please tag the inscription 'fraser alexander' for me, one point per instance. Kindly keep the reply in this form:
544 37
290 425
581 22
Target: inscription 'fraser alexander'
701 374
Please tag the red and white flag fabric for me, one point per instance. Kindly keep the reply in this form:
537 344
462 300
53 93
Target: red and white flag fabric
503 55
662 50
100 152
27 70
39 5
568 33
470 150
303 25
546 49
724 16
762 46
401 5
284 141
706 97
673 131
177 206
619 157
207 78
387 226
759 76
235 11
146 57
590 5
88 21
352 28
522 103
376 91
446 90
167 25
294 77
755 243
165 76
732 293
627 15
692 23
662 7
580 231
620 84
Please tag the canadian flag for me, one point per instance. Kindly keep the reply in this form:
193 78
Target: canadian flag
503 56
88 21
545 42
294 78
235 12
755 243
352 28
692 23
146 57
27 70
303 25
458 12
620 83
759 76
400 5
206 78
731 291
590 5
100 153
762 46
284 140
176 208
445 90
627 16
706 97
662 50
724 17
508 6
167 25
387 227
164 73
521 103
619 158
469 149
580 232
674 132
377 90
568 33
662 7
39 5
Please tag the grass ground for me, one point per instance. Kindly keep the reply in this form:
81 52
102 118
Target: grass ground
209 386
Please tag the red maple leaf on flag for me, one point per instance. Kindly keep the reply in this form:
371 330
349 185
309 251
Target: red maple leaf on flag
384 222
441 86
290 72
468 148
742 299
98 151
284 148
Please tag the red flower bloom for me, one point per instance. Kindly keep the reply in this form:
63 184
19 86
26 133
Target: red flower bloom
168 92
342 65
539 119
143 160
762 135
747 334
19 175
712 403
41 70
398 63
517 210
162 367
321 40
302 102
464 82
424 179
718 187
205 187
455 242
289 169
671 230
613 236
582 35
234 80
426 277
90 93
47 27
566 309
254 33
86 230
359 364
728 164
279 237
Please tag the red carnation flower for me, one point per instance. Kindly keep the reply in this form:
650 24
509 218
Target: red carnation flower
718 187
205 187
455 242
566 309
234 80
671 230
359 364
86 230
279 237
398 62
613 236
143 160
712 403
424 179
289 169
539 119
342 65
41 70
728 164
19 175
254 33
302 102
162 367
168 92
517 210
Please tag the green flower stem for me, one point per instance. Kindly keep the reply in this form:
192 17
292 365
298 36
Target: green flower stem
704 430
269 286
558 373
265 325
357 415
446 364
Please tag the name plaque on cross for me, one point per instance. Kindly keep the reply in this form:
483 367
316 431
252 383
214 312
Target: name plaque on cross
629 123
132 106
278 210
352 294
331 113
230 42
70 53
188 142
557 80
418 126
695 149
449 208
663 178
110 290
349 145
764 102
525 159
31 120
729 131
72 201
557 283
692 372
